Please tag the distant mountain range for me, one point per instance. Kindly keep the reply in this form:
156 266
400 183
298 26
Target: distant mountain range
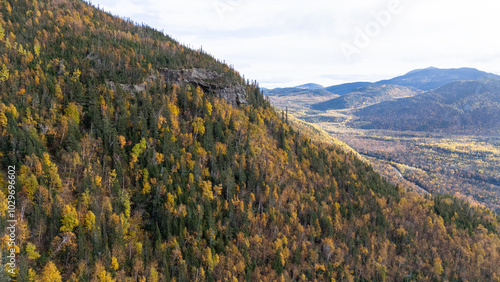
431 99
423 79
299 90
431 78
461 106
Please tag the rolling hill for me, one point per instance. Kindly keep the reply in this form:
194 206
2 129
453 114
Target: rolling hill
366 96
345 88
310 86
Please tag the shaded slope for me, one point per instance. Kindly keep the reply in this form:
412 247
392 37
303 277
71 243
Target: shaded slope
472 106
366 96
345 88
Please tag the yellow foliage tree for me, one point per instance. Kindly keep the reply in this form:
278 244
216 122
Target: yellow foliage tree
3 204
159 158
59 94
30 251
89 221
51 172
209 107
50 273
3 120
4 73
122 141
198 126
2 32
114 263
438 267
146 186
207 189
72 112
69 219
102 274
153 274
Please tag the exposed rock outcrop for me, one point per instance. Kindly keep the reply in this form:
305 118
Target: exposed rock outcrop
209 81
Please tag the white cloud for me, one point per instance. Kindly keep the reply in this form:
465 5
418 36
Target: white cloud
286 43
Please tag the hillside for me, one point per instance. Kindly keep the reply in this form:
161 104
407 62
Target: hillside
366 96
297 91
469 106
137 159
345 88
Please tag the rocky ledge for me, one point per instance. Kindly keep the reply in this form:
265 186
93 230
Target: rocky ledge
209 81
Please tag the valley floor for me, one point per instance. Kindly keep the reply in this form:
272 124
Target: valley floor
465 166
462 165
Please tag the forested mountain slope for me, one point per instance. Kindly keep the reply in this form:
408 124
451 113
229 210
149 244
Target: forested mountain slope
127 173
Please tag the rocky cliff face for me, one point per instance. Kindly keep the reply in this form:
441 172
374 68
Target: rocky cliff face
209 81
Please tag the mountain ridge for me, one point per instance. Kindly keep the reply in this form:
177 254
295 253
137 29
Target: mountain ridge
432 78
423 79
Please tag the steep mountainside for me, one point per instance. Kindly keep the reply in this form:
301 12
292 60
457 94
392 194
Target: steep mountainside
366 96
471 106
125 171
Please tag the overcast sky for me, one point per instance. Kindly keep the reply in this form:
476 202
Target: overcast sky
287 43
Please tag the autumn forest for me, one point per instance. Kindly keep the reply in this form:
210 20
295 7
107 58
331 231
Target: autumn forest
123 173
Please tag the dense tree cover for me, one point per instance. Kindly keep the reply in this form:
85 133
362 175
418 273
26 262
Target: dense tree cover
124 176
